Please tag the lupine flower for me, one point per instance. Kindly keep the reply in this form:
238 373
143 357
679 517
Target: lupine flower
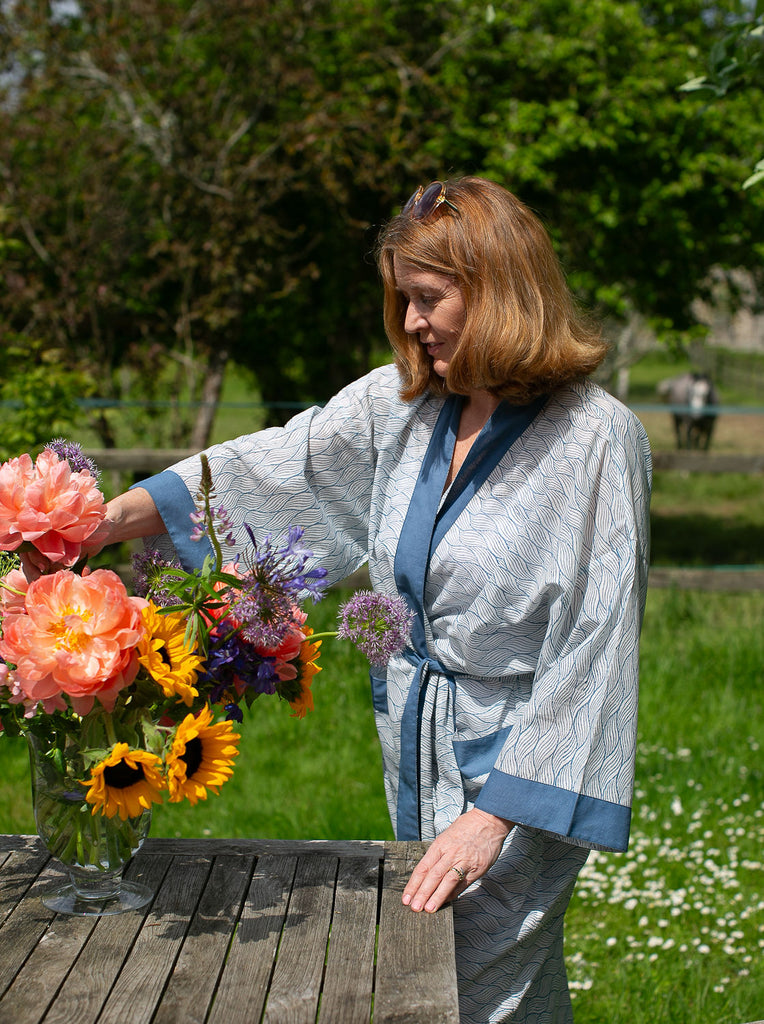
380 626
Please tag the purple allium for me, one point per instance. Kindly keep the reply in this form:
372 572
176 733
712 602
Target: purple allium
378 625
150 581
265 613
272 580
73 454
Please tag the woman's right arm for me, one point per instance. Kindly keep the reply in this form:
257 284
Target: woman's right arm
128 516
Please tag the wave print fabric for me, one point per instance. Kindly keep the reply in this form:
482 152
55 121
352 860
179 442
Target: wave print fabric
524 699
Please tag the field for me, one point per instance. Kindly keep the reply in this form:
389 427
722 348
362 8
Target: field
671 932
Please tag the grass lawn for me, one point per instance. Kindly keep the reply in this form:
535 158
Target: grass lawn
671 932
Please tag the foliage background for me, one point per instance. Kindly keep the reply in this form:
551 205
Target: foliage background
188 183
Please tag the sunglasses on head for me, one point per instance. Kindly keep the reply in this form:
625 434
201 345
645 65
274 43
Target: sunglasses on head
426 200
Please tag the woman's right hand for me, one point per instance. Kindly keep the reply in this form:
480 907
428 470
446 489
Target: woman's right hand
128 516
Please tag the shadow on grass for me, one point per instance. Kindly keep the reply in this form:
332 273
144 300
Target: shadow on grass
705 540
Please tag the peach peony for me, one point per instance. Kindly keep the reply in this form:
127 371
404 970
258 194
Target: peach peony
77 636
13 592
49 506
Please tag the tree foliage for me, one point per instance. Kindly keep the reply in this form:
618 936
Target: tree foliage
736 61
188 182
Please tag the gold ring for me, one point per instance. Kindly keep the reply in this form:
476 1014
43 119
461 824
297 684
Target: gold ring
459 872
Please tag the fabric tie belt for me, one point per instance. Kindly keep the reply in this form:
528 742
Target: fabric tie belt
408 825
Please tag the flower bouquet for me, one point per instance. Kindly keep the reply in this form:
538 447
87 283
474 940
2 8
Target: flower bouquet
128 700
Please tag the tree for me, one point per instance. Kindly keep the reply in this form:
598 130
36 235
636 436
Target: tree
188 182
162 185
736 61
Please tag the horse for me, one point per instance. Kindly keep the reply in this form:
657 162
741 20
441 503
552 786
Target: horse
695 398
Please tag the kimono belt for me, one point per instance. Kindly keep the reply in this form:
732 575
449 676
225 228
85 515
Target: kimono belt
408 825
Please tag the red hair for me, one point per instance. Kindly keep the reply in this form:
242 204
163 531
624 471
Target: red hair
523 334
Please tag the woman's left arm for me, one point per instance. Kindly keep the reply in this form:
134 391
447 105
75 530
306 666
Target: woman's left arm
456 858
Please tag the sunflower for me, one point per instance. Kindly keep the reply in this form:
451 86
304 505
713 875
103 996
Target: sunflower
166 656
126 782
201 757
297 691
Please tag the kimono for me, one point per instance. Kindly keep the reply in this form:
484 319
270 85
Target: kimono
528 579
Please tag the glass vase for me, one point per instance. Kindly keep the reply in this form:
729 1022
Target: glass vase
93 848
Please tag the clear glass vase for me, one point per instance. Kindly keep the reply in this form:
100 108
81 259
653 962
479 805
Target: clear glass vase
93 848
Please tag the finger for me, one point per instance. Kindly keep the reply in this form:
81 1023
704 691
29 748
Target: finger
418 875
429 890
451 885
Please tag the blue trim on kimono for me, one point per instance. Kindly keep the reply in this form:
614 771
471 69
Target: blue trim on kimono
555 810
175 505
427 522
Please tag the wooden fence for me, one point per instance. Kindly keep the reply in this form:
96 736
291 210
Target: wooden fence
153 460
144 461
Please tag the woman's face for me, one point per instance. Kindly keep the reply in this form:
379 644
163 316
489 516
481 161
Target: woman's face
435 311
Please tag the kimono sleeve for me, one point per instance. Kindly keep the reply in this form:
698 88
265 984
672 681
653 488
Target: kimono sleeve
317 472
567 764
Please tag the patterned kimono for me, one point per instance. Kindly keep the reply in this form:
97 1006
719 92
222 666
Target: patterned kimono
528 579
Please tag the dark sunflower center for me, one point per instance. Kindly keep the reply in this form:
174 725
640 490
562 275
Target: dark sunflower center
192 756
164 654
121 776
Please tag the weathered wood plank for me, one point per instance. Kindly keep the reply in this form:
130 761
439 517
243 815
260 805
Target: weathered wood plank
144 977
191 988
303 923
19 869
349 975
36 984
708 462
244 982
17 842
416 978
374 849
296 982
708 579
93 975
25 926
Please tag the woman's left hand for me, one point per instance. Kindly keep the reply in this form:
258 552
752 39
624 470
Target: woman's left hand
472 844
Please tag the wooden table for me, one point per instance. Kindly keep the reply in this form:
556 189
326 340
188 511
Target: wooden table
239 931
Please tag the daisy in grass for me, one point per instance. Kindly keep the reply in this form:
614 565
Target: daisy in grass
201 757
127 782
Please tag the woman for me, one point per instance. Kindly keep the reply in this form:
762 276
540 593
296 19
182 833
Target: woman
506 497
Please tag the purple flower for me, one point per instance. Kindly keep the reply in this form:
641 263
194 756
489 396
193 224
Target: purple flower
378 625
272 581
73 454
150 581
232 662
204 524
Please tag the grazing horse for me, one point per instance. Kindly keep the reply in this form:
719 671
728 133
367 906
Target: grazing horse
694 396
